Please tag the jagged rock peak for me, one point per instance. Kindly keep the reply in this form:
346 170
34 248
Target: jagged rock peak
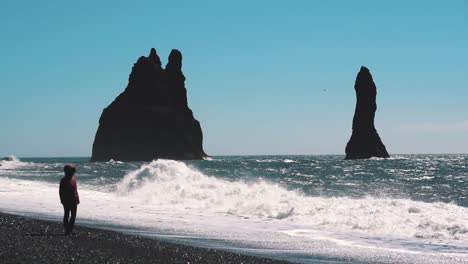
364 69
151 118
175 60
153 56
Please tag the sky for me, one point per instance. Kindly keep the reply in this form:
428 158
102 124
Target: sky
263 77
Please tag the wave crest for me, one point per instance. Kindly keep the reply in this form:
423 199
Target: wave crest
172 185
11 162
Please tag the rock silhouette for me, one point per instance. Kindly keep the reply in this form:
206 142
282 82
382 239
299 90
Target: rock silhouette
151 118
365 141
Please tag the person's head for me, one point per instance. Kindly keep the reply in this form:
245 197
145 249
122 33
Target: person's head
69 170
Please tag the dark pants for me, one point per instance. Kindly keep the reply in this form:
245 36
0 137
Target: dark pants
69 222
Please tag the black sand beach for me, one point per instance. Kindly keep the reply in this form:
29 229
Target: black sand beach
26 240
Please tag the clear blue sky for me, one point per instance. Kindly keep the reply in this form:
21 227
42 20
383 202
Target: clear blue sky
263 77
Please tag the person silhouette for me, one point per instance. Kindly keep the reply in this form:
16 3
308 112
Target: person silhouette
69 197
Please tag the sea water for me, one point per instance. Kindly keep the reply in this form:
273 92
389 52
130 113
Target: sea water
310 209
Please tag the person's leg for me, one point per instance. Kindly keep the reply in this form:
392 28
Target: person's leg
66 215
73 209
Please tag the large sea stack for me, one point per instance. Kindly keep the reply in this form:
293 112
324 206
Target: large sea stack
151 118
365 141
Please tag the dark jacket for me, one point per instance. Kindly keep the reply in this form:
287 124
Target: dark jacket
69 191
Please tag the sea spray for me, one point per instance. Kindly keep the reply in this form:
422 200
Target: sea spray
10 163
174 185
408 209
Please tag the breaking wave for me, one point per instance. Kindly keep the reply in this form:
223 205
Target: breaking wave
11 162
173 185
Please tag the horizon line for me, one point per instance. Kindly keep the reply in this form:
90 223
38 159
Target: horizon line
246 155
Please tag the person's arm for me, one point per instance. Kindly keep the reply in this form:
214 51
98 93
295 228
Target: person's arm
61 191
75 190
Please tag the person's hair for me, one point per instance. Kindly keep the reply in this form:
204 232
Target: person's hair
69 169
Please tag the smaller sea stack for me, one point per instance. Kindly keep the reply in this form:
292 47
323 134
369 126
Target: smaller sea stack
365 141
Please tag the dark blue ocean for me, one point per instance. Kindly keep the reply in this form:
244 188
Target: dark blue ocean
311 209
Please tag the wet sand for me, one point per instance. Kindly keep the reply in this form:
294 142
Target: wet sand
26 240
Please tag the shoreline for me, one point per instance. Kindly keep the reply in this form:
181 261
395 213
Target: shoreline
28 240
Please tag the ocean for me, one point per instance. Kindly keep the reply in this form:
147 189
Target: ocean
308 209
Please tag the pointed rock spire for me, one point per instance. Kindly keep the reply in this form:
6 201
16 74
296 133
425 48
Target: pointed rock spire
153 56
174 60
365 141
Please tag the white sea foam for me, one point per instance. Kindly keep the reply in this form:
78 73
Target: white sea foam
392 157
173 184
11 162
265 160
112 161
275 160
173 197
